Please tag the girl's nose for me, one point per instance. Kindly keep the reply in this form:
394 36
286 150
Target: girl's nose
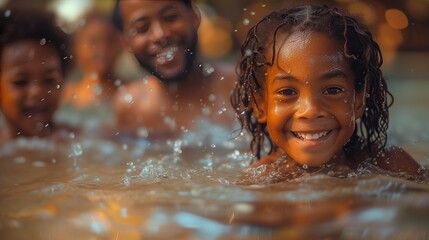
310 107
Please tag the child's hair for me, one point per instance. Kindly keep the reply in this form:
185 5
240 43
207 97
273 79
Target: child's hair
117 17
18 24
359 46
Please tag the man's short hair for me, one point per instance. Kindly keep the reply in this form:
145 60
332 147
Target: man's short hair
117 17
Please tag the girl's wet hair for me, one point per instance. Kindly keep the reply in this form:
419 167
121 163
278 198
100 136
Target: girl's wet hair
20 24
259 51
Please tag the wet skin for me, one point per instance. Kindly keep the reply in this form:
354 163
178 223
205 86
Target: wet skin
309 102
161 35
30 89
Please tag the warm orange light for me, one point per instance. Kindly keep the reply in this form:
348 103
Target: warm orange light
363 10
396 19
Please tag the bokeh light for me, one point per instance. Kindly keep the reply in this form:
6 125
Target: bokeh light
396 19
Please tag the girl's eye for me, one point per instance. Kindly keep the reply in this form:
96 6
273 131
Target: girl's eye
287 92
333 90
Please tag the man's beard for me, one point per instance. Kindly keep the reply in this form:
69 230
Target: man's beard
190 55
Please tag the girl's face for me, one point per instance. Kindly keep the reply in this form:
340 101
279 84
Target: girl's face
29 87
309 102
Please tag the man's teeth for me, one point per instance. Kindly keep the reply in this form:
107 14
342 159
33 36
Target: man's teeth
168 54
311 136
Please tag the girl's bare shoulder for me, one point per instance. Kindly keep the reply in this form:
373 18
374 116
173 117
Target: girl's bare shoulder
396 159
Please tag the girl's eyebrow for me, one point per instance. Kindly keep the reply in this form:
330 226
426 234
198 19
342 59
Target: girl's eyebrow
283 77
333 74
336 73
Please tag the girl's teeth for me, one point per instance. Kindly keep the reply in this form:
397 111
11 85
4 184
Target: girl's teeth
311 136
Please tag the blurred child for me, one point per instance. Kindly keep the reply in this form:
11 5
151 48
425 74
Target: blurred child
97 47
34 58
311 87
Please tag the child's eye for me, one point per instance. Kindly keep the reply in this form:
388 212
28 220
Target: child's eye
287 92
20 83
50 81
333 90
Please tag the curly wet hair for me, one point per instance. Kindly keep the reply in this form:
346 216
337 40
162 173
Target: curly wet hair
20 24
258 52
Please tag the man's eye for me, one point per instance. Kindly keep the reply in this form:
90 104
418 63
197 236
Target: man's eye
139 29
334 90
171 17
20 83
287 92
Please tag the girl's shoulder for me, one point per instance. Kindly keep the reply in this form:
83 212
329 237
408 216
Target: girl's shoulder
395 159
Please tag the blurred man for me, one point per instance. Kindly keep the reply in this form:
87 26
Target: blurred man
183 90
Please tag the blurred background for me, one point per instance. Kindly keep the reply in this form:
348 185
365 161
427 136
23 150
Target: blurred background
399 26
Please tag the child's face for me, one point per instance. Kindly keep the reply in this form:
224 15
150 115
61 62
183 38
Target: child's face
29 87
98 46
309 102
161 34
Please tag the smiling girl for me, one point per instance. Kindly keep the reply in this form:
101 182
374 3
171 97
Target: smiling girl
311 90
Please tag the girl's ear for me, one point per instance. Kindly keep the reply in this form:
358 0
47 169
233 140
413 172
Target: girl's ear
259 107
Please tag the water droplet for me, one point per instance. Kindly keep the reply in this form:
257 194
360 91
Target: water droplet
126 180
246 22
118 82
72 135
142 132
128 98
7 13
305 166
77 149
43 41
39 164
98 90
252 13
248 52
212 97
206 111
20 160
207 70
